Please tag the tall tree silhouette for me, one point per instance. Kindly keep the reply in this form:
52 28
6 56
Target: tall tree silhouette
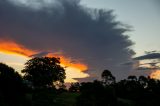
44 72
107 77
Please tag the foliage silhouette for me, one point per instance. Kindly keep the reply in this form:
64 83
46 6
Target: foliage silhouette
95 94
132 78
143 81
41 73
108 78
12 88
44 75
44 72
44 97
75 87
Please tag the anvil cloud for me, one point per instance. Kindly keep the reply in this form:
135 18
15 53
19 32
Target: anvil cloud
90 36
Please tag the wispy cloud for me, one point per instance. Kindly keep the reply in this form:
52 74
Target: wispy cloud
149 56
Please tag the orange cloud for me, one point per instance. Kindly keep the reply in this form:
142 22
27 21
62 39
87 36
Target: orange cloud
73 69
67 62
155 74
10 47
76 68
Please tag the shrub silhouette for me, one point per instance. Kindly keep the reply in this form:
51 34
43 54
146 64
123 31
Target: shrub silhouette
95 94
12 89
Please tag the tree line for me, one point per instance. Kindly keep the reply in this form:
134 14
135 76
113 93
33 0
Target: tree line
43 81
38 85
133 91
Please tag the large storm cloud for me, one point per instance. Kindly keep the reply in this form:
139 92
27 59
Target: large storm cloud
91 36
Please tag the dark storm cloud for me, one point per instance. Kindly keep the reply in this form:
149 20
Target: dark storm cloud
128 63
90 35
149 56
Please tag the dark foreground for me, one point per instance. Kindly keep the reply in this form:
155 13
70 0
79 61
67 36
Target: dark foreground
43 85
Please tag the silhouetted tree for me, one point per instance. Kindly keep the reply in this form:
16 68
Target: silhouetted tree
44 72
132 78
95 94
75 87
107 77
12 89
121 88
143 81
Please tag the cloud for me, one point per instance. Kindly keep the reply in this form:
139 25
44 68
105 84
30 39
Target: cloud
128 63
41 54
149 56
148 68
149 64
91 36
155 75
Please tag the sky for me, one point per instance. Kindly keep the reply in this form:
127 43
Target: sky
88 35
142 15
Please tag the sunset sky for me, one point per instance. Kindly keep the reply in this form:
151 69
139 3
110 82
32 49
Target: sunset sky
123 37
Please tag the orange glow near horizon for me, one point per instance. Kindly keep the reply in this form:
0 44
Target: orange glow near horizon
10 47
73 69
67 62
155 74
